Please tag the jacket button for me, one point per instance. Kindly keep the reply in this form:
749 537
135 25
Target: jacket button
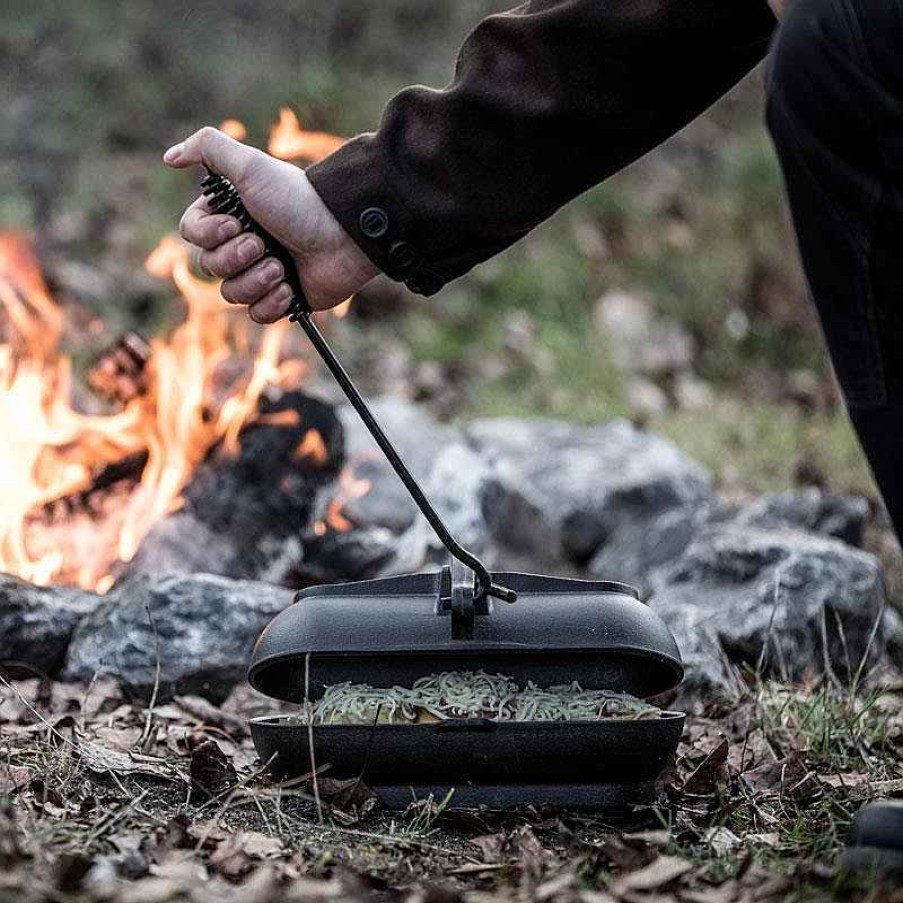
401 255
374 222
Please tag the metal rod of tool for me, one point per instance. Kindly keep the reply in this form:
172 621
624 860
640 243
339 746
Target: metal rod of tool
224 198
484 578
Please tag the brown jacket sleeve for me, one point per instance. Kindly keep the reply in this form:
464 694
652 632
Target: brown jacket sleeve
548 99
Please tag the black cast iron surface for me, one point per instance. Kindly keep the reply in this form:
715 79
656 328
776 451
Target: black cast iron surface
393 631
475 751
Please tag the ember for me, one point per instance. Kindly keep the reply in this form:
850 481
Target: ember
350 488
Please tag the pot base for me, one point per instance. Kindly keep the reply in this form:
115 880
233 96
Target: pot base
609 798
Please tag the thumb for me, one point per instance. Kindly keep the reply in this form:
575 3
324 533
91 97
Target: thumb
215 150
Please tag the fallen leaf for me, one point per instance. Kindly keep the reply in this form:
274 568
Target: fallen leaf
625 856
206 712
351 796
208 832
179 865
656 875
660 838
754 750
260 846
69 870
151 890
175 834
595 896
552 888
709 773
101 759
210 771
530 852
844 781
724 893
10 837
119 739
262 886
234 857
13 778
722 840
766 839
494 847
786 777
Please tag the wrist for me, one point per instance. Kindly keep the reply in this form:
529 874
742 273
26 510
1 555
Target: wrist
330 258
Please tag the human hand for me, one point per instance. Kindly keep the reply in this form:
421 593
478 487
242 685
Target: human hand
331 267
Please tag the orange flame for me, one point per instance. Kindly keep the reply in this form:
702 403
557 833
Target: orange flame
49 449
52 451
340 311
350 488
289 141
234 128
313 448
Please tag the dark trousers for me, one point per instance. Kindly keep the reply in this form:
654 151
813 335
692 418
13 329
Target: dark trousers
835 110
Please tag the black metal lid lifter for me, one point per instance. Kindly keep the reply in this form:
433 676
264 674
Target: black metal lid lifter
224 198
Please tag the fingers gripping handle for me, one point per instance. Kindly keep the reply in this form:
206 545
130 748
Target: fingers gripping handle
224 198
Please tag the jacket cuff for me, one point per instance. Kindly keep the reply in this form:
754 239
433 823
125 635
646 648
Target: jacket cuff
373 214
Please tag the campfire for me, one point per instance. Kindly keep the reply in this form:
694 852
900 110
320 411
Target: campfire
89 466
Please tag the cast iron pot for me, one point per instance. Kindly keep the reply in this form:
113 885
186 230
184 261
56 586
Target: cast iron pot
393 631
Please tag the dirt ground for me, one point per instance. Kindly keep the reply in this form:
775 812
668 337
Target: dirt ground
105 799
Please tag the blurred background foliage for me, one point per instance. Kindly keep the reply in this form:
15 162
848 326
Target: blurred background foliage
695 236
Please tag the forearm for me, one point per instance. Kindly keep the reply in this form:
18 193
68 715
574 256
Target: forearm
547 100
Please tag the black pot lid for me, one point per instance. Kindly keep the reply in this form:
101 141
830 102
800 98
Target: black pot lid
393 631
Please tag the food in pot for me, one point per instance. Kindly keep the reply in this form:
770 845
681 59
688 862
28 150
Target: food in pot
470 694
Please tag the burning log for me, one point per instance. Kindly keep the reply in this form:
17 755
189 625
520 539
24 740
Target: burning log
119 373
243 514
331 555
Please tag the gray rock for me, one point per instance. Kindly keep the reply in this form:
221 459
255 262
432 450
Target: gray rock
642 545
565 494
771 600
206 626
418 438
840 516
708 673
640 339
454 487
386 504
36 623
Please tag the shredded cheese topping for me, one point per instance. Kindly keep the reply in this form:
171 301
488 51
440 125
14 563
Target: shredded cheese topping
470 694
